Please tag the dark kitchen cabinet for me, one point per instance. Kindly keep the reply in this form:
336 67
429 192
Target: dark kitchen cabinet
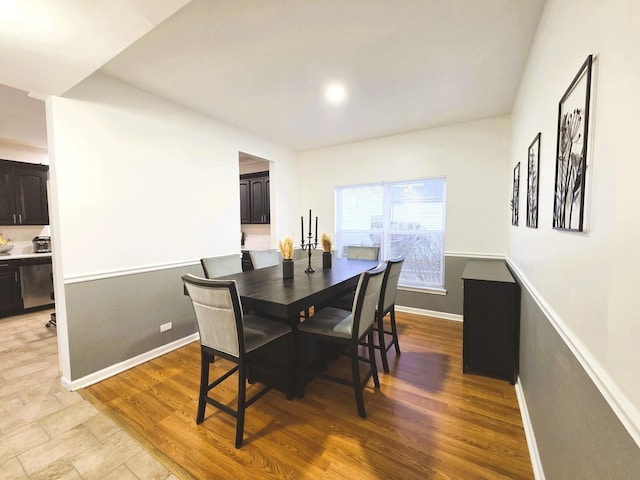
255 198
491 325
10 296
23 194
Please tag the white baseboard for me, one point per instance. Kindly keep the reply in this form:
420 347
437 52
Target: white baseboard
127 364
536 463
429 313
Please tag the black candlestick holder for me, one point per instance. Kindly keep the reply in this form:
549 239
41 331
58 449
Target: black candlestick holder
309 246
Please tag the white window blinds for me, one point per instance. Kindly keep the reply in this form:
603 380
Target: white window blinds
402 218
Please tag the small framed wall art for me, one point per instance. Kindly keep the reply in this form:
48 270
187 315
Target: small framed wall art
533 167
571 151
515 196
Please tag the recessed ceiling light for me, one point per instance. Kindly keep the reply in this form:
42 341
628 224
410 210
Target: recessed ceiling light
335 93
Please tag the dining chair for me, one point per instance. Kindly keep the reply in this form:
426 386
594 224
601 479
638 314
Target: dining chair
354 252
264 258
363 253
228 333
386 306
349 329
220 266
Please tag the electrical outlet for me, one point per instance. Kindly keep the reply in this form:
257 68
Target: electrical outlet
166 326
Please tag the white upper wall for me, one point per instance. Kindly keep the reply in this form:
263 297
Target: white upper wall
473 156
588 279
141 182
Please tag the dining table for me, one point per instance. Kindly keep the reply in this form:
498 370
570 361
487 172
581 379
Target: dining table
265 292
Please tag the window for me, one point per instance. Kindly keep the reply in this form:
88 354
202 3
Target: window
402 218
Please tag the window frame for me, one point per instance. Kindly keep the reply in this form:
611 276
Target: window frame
386 232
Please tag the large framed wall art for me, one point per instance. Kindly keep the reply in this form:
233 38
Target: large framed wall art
571 151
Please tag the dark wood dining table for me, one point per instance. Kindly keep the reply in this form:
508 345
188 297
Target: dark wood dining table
264 292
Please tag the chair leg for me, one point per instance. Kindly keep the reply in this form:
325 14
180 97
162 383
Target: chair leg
381 343
394 330
204 385
357 383
242 390
372 361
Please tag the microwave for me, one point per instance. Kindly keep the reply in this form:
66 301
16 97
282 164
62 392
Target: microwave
42 244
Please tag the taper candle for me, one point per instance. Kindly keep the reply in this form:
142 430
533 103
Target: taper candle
302 229
316 229
310 232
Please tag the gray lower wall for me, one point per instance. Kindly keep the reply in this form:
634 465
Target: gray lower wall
115 319
577 433
449 303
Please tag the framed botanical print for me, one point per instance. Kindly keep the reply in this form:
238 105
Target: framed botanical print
533 167
571 151
515 196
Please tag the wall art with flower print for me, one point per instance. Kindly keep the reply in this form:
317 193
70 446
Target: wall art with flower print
515 196
571 152
533 167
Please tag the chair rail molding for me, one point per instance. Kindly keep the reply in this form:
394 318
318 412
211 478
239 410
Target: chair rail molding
87 277
625 410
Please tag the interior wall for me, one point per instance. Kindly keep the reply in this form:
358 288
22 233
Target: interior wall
141 184
583 281
473 156
23 153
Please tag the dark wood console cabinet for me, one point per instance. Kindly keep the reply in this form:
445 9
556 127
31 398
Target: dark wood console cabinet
255 198
491 328
23 193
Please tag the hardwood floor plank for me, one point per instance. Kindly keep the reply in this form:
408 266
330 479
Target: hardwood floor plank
427 420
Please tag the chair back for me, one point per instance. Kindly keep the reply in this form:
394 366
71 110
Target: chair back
390 284
363 253
218 312
264 258
220 266
366 299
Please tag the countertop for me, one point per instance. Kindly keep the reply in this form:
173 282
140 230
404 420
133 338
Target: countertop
18 256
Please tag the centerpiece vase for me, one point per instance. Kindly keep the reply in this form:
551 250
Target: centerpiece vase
326 260
287 268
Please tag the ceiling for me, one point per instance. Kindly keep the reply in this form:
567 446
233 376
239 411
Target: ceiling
262 65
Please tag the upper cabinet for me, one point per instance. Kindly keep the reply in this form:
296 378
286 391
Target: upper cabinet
254 198
23 193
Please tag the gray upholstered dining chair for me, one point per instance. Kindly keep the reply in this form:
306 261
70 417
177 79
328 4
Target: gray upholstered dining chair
220 266
354 252
349 329
264 258
386 306
227 332
363 253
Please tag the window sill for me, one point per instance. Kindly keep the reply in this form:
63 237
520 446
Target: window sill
432 291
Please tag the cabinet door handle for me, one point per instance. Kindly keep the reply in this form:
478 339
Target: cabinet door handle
15 276
14 218
20 217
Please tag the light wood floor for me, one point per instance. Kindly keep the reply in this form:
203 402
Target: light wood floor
427 420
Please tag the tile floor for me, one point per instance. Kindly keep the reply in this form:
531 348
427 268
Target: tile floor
47 432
